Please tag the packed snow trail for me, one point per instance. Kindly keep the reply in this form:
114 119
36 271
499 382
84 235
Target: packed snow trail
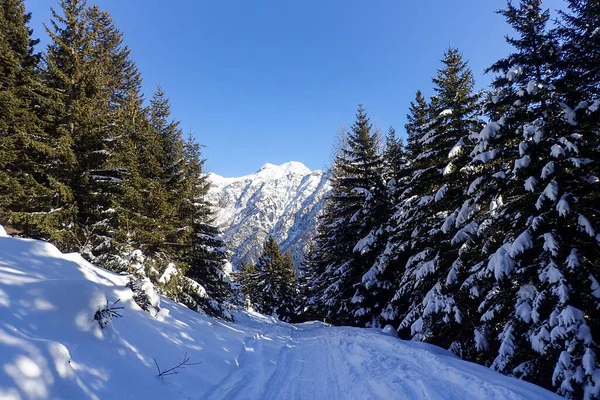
51 348
315 361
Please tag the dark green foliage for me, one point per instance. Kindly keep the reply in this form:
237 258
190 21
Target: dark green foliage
349 232
86 166
270 284
34 198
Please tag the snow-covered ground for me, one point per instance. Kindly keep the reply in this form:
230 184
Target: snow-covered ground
51 348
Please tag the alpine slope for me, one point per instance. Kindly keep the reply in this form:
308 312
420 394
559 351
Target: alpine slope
52 348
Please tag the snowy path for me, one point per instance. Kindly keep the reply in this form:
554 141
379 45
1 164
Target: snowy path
314 361
51 348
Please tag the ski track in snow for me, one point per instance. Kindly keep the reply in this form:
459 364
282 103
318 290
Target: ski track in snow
51 348
317 362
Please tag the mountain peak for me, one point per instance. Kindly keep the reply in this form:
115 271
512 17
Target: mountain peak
290 166
278 200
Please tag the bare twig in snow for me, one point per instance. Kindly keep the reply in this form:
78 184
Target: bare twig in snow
176 369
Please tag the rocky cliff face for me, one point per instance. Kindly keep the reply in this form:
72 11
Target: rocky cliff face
279 200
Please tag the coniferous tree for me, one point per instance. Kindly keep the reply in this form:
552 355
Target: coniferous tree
88 65
432 212
419 112
579 31
345 246
274 280
34 198
247 278
537 281
207 262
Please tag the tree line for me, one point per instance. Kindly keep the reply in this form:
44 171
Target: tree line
86 164
481 233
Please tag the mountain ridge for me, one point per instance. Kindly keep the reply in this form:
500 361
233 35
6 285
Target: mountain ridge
283 201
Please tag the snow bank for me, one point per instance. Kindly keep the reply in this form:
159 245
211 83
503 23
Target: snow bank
51 347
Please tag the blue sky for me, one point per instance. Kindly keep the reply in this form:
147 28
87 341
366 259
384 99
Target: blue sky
272 80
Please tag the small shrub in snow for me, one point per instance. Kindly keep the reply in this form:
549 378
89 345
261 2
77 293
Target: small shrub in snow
107 313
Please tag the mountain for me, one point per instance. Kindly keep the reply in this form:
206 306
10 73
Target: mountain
279 200
52 346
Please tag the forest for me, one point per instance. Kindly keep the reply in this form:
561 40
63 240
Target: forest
475 228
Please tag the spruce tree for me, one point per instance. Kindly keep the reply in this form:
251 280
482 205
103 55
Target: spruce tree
429 225
275 281
350 229
417 117
579 33
89 67
537 285
207 261
34 198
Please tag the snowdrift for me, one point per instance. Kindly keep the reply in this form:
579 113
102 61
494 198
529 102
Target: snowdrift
52 348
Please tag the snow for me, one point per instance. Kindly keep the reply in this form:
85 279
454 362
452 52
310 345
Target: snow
278 200
523 148
569 114
585 224
532 87
465 233
474 184
530 184
446 112
3 232
522 162
439 195
550 192
557 151
521 243
489 131
457 149
547 170
501 263
170 271
487 156
513 73
52 348
449 169
550 243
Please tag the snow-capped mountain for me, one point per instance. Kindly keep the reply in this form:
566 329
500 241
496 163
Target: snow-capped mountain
279 200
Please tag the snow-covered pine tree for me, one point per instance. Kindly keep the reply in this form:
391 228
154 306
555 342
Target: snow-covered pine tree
378 283
275 281
579 33
246 276
206 263
34 198
436 209
345 245
537 282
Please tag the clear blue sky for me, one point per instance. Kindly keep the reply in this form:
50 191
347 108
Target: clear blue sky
272 80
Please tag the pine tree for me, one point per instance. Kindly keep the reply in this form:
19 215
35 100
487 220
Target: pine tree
419 112
274 278
172 165
207 261
34 199
430 215
537 283
246 276
579 31
90 69
350 227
